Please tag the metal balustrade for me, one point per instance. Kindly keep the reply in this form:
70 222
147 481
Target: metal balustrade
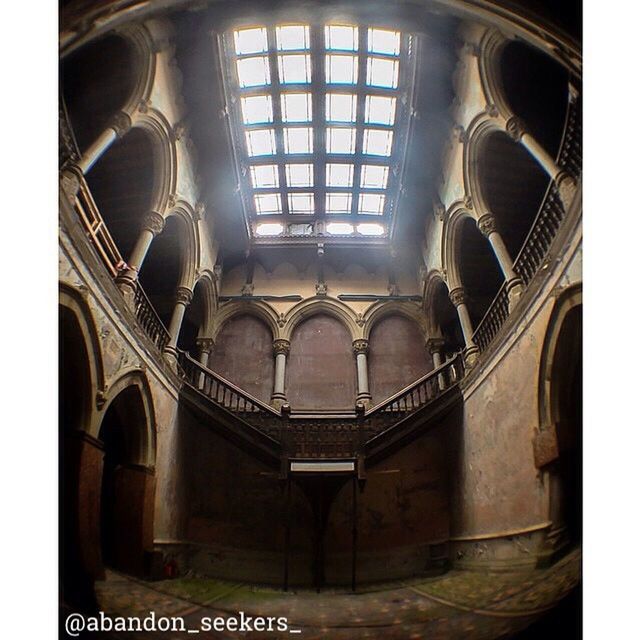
493 319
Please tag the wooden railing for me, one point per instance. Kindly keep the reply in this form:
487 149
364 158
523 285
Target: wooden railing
149 319
543 231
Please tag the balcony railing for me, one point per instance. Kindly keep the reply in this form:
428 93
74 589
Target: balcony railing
67 146
570 156
149 319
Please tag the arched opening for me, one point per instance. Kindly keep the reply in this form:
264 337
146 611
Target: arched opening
536 88
321 371
126 501
194 320
397 356
565 397
121 183
513 185
162 269
243 355
97 81
479 269
78 543
445 318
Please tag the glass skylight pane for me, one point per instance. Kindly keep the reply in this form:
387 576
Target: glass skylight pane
294 69
338 203
267 203
341 37
341 107
299 175
269 229
383 41
292 37
253 72
250 40
301 203
371 204
374 176
261 142
380 110
340 228
341 140
265 176
301 229
382 73
377 142
257 109
370 229
339 175
296 107
342 69
298 140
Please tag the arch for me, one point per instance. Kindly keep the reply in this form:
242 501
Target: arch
450 233
441 315
490 51
380 310
190 249
206 280
257 308
328 306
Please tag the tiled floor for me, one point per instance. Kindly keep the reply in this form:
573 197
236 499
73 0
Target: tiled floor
457 605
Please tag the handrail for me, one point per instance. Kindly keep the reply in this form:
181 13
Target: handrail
149 319
220 390
68 150
419 393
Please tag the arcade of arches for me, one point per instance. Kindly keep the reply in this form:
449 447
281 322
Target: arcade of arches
314 411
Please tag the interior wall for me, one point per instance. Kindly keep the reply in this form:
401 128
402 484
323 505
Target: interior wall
397 356
243 355
321 370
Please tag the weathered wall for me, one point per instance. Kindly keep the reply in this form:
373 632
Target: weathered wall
243 355
321 369
397 356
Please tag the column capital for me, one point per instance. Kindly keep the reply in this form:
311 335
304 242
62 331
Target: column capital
360 346
515 128
487 224
457 296
434 345
120 123
154 222
184 295
281 346
205 344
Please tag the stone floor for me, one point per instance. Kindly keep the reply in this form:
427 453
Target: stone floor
459 604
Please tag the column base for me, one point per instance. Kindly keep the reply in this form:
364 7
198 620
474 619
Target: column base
365 399
170 355
515 289
471 355
566 188
126 282
70 182
277 400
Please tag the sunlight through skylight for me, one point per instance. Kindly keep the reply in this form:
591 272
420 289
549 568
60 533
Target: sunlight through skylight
253 72
294 69
301 203
299 175
339 175
265 176
341 69
292 37
269 229
338 203
377 142
340 228
382 73
383 41
341 107
298 140
380 110
296 107
267 203
251 41
341 37
257 109
261 142
341 140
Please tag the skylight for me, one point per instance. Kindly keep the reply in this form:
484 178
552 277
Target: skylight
320 118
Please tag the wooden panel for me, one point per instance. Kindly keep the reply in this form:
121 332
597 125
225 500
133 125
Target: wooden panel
321 372
243 355
397 356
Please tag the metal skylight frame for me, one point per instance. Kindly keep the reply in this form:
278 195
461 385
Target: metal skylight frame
399 121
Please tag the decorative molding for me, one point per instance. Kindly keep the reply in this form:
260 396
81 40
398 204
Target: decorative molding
247 289
154 222
515 128
360 346
120 123
281 346
439 209
199 211
492 111
143 106
205 344
487 224
460 133
434 345
468 202
321 288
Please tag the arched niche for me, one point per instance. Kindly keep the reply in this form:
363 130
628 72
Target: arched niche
479 269
122 185
194 320
513 187
536 89
127 493
162 269
397 356
321 369
445 319
97 81
243 354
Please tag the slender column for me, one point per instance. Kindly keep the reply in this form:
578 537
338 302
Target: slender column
565 183
487 226
183 299
458 298
204 347
435 347
280 352
119 125
360 349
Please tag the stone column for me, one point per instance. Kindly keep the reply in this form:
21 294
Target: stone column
458 298
487 226
565 183
118 126
152 225
280 352
435 347
361 349
184 296
205 345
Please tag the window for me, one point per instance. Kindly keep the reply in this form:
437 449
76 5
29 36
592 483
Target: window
299 175
325 134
